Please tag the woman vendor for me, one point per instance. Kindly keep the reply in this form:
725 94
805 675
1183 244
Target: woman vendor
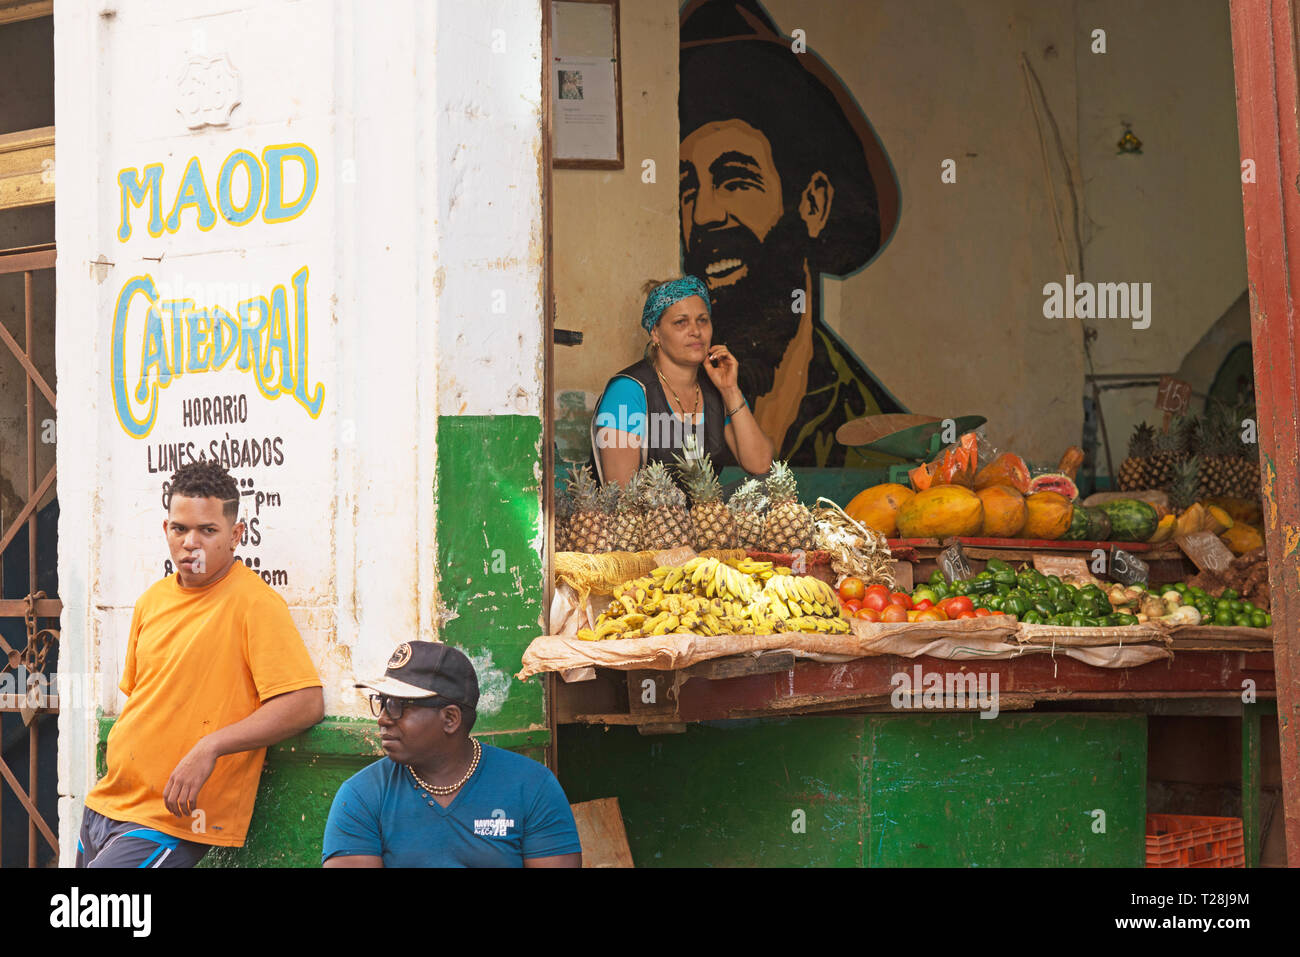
661 407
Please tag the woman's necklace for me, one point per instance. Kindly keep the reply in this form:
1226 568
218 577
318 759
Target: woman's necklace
680 404
688 441
451 788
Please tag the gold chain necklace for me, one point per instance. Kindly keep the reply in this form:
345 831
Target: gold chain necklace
450 788
680 404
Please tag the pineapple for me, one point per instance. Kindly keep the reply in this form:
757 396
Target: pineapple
1229 467
788 524
1183 489
1171 449
1138 471
712 521
667 523
607 498
629 522
563 515
589 526
747 505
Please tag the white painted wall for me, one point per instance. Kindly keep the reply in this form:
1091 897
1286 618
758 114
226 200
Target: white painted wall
428 201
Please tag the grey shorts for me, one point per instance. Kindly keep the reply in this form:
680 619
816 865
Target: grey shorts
104 842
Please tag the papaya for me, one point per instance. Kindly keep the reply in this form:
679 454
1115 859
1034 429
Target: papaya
877 507
1007 469
1047 516
1070 462
1242 538
922 477
941 511
1004 511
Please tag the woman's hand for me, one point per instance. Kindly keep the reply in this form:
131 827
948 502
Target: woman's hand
722 368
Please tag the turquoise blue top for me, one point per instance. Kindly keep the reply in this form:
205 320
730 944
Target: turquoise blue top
623 407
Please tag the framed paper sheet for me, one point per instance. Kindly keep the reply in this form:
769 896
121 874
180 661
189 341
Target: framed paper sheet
586 97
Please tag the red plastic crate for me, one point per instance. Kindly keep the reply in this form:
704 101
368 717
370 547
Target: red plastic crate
1184 840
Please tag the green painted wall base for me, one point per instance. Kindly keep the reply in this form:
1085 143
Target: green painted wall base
873 790
299 781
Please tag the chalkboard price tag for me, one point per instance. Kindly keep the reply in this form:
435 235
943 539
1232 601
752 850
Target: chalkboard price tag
953 564
1173 395
1127 569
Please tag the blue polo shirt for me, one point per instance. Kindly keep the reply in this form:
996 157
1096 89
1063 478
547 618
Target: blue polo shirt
511 809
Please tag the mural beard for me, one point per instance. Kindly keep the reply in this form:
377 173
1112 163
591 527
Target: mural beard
753 317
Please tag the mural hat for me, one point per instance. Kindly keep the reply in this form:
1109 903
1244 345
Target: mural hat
736 64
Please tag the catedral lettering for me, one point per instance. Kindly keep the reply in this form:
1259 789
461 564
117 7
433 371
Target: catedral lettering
176 336
179 338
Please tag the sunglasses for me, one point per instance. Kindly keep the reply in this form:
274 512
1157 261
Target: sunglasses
393 707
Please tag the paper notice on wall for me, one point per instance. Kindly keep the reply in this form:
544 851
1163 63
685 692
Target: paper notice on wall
582 29
586 116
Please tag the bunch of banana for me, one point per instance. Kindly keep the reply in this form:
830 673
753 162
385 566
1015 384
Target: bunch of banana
826 626
750 566
709 597
800 595
638 588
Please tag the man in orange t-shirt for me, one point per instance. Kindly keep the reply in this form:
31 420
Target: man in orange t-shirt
215 673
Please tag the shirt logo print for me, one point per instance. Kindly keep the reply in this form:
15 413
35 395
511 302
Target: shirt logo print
498 825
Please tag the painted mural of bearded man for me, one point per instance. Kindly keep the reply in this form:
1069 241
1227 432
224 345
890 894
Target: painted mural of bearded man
782 180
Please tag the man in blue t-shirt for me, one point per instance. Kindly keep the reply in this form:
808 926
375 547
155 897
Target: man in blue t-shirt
439 798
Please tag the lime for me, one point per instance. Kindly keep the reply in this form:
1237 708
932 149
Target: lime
1179 587
1242 620
1258 619
1230 594
1223 616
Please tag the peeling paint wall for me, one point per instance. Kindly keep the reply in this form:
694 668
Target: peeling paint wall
421 299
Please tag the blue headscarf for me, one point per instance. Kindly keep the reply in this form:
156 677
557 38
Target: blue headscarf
665 294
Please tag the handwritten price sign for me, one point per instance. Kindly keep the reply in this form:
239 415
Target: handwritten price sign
1173 395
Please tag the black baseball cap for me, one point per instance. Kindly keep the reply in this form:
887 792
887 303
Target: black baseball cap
428 669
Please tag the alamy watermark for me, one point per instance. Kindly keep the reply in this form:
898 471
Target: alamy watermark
1102 300
945 690
75 690
661 430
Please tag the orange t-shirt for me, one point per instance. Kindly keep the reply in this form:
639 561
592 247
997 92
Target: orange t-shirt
198 659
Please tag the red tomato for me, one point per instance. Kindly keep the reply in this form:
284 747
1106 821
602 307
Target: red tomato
894 612
875 600
868 614
958 604
923 604
930 614
852 605
881 590
852 588
982 612
967 614
901 598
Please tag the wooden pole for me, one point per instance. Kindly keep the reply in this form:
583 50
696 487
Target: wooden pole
1264 53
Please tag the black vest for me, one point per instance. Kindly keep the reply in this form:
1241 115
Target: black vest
665 432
